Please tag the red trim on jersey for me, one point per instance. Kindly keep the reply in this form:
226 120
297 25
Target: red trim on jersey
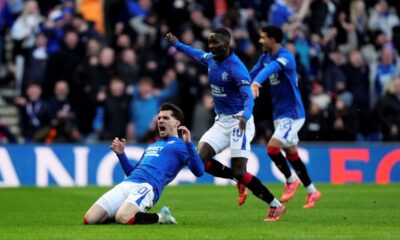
246 179
273 150
208 164
292 157
85 221
132 220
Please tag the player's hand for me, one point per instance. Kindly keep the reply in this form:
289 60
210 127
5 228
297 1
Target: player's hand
185 134
255 89
118 146
242 122
171 38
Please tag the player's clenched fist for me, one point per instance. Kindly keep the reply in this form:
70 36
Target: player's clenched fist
171 38
118 146
185 134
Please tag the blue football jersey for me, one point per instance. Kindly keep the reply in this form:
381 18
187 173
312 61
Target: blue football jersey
229 80
280 69
162 161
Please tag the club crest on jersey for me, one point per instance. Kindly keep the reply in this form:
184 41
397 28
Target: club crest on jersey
224 76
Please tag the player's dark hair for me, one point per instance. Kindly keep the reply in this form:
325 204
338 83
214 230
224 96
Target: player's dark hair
273 32
176 111
223 32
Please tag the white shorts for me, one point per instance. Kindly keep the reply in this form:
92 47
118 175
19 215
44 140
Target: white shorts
140 194
286 130
226 133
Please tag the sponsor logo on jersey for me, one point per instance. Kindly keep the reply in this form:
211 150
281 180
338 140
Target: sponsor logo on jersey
153 151
245 82
217 91
171 142
273 79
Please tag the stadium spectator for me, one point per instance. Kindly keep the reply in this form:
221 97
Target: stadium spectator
129 201
234 125
85 29
203 115
26 26
386 68
358 84
383 17
65 64
61 103
63 128
281 12
322 15
278 66
116 110
358 18
127 67
35 113
5 24
145 101
99 72
5 133
388 109
328 26
343 122
333 71
315 127
54 29
36 62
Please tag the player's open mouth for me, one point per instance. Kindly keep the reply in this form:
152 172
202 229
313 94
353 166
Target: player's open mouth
161 128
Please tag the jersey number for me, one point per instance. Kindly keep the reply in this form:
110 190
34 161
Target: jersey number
142 190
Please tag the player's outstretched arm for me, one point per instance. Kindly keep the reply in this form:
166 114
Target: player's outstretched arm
194 163
196 54
118 147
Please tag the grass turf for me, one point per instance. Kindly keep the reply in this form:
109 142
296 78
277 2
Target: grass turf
207 212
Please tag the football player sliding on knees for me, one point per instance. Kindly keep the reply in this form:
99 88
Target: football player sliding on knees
129 201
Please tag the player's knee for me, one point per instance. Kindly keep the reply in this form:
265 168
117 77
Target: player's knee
238 173
90 219
204 157
273 151
122 218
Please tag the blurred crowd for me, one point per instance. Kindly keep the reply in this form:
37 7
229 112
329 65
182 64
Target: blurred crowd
91 70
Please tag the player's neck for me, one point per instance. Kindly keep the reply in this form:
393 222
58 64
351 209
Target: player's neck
227 54
171 136
275 49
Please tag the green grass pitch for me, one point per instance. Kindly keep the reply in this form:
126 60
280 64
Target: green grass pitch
207 212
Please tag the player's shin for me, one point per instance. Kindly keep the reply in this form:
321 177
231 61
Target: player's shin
300 168
276 156
144 218
258 189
